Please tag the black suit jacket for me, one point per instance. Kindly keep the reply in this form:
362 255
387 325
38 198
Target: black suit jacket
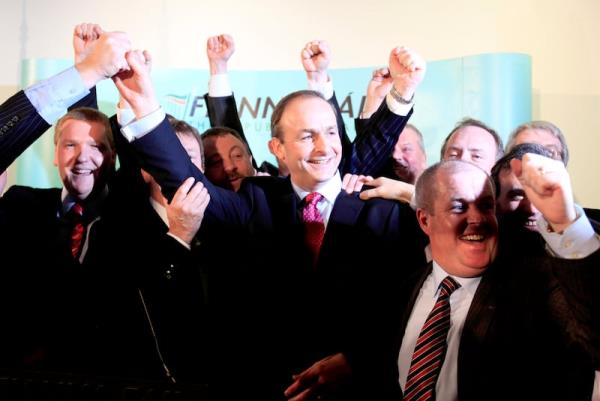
266 268
530 333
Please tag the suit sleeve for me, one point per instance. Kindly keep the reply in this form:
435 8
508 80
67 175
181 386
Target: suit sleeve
579 280
161 154
222 112
20 126
375 144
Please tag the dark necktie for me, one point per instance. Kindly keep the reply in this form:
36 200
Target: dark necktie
314 228
76 215
430 349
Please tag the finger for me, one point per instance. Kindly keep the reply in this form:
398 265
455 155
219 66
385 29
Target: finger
292 388
183 190
346 180
304 395
369 194
148 58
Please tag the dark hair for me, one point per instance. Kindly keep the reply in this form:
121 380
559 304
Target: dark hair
517 152
222 131
471 122
282 105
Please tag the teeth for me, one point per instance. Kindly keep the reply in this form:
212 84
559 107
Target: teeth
531 223
473 237
319 161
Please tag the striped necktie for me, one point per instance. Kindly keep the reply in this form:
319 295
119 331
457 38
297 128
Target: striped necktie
430 349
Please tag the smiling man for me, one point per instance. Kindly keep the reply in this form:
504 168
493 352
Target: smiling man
464 320
293 254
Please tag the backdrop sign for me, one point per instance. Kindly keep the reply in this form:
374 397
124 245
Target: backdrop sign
494 88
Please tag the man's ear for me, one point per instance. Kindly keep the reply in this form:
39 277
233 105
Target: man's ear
277 148
423 219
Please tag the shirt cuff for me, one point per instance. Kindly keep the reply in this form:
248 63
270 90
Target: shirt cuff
125 116
325 89
219 86
51 97
182 242
139 128
396 107
577 241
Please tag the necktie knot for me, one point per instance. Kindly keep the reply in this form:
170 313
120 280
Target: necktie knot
314 228
76 210
448 286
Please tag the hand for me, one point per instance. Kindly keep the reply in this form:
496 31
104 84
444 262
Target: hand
84 37
135 85
354 183
387 188
104 58
316 56
547 185
407 69
219 49
324 376
186 210
379 86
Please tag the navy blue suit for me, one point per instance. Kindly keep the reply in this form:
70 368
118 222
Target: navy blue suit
266 268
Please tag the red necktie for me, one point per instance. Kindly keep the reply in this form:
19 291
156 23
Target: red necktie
76 214
314 228
430 349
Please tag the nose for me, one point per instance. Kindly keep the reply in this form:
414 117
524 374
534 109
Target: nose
228 165
526 206
474 215
83 153
321 143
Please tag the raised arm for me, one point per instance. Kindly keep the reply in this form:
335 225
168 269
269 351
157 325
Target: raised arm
372 148
29 113
159 150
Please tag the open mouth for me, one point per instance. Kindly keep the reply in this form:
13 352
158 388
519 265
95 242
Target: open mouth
531 225
473 237
320 161
80 171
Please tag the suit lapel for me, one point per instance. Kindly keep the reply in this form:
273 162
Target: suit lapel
476 329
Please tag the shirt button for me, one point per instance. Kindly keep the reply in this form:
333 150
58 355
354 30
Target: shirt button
568 243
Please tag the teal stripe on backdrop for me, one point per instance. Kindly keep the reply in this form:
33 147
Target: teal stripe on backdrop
494 88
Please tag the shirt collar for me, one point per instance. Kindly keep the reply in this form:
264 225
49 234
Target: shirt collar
92 205
469 284
330 189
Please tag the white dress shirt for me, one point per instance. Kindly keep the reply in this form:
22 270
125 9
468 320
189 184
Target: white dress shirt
460 302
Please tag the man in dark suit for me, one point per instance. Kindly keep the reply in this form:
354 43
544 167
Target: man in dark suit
357 156
514 322
262 222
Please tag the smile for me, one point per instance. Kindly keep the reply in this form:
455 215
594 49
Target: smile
473 237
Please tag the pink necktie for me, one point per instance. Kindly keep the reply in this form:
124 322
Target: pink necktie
314 228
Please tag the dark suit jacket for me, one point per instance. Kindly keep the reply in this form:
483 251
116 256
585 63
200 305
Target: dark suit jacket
62 315
267 268
365 155
530 333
